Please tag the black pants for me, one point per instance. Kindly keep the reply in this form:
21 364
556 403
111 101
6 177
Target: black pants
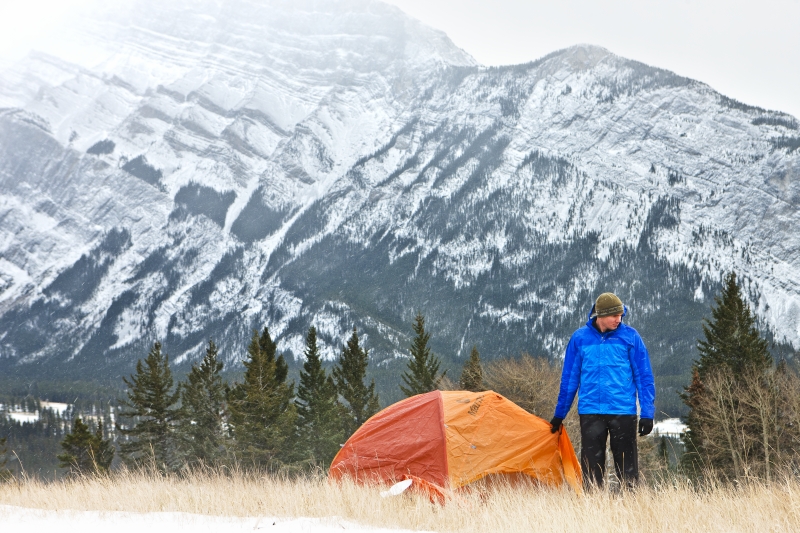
594 432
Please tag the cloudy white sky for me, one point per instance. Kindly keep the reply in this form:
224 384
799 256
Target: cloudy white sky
746 49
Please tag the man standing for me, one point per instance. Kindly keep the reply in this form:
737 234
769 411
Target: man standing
608 361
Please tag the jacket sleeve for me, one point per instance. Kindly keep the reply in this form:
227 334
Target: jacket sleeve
643 377
570 378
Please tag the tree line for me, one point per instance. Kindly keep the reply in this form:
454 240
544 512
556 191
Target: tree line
743 422
262 422
31 447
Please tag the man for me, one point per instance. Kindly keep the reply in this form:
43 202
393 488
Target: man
608 361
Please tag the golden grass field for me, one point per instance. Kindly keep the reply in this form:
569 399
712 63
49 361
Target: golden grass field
671 507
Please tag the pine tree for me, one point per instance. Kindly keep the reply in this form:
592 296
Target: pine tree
731 337
472 373
733 348
105 449
692 457
423 368
663 451
86 452
151 405
5 473
349 376
318 408
203 411
262 413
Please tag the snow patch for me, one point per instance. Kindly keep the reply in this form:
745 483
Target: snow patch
25 519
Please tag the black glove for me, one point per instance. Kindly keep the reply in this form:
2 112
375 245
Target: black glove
645 426
555 424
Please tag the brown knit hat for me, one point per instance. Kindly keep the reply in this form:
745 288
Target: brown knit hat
607 304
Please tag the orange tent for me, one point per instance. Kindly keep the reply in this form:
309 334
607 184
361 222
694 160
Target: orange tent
448 439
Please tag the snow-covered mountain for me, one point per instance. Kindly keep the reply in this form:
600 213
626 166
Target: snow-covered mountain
209 168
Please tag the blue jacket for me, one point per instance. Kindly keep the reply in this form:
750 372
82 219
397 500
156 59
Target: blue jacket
610 369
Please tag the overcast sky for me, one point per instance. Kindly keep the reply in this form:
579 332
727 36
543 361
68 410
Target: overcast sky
746 49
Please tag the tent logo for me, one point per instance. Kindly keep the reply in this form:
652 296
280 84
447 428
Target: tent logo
473 410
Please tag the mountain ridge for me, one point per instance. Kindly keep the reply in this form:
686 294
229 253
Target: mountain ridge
497 200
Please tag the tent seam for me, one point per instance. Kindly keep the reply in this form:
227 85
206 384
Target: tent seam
445 450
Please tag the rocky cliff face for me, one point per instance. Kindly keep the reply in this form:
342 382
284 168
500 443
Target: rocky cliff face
225 167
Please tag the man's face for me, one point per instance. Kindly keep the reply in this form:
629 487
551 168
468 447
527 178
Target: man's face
608 323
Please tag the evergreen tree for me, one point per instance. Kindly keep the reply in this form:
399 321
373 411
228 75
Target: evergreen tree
692 457
35 445
423 367
731 337
5 473
318 408
105 448
262 413
202 426
349 376
86 452
733 347
472 373
151 406
663 451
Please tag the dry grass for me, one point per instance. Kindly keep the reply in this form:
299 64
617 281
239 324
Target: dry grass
672 507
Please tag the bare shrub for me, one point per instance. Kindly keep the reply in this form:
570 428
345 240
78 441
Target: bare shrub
750 426
532 383
788 421
725 438
448 384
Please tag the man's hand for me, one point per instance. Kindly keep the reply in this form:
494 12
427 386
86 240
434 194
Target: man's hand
645 426
555 424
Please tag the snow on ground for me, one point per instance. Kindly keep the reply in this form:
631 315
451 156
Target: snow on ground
24 418
670 427
57 407
21 519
